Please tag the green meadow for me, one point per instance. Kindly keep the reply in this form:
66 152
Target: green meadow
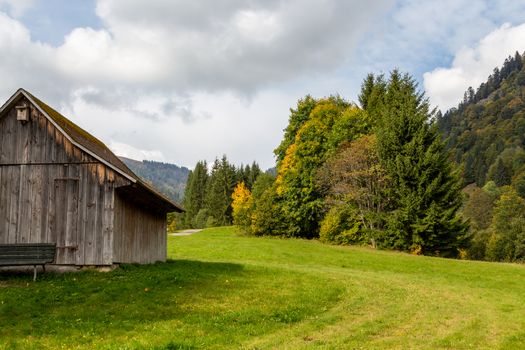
221 290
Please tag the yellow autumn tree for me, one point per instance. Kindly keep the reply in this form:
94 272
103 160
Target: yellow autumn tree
242 207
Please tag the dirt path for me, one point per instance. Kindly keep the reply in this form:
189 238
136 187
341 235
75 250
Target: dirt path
185 232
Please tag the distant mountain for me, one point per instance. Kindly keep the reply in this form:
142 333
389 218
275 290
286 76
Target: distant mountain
486 132
272 171
169 179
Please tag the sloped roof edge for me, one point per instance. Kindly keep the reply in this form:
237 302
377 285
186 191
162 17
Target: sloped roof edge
86 142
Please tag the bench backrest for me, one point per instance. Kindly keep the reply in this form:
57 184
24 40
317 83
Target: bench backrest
27 253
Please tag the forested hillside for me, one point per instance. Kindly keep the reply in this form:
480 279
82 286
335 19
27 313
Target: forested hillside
486 132
169 179
486 137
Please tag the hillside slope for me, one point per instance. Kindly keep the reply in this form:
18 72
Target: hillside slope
170 179
486 132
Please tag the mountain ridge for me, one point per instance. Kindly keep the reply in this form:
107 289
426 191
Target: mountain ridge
170 179
486 132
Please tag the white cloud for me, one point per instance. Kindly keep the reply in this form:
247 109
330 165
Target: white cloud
174 48
472 65
244 130
18 7
128 151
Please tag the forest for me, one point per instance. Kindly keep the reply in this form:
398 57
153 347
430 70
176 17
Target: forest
388 172
169 179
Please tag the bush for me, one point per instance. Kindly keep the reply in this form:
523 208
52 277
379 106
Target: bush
509 245
507 240
211 222
242 207
266 218
477 247
200 220
342 226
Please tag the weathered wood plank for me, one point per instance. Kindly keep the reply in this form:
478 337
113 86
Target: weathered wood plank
71 239
82 219
108 226
13 175
4 198
91 216
99 225
24 206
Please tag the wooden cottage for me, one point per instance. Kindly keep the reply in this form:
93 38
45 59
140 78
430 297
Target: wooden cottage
59 184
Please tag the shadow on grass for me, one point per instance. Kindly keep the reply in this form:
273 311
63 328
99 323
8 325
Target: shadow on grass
73 305
25 273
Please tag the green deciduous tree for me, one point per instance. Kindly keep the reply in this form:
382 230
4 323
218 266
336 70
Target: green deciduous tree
507 240
301 203
478 207
354 178
242 207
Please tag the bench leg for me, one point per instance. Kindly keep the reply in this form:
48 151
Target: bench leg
34 273
44 268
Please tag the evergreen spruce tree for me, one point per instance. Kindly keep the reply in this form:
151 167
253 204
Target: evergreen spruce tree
219 190
425 189
501 174
195 193
253 174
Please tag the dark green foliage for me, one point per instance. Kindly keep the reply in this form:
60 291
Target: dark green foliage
425 190
201 219
263 182
219 190
207 198
248 174
169 179
372 93
500 174
519 184
195 194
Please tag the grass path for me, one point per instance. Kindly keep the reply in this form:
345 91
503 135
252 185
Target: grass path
223 291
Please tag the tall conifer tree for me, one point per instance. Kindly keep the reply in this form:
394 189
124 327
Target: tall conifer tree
195 193
219 190
425 189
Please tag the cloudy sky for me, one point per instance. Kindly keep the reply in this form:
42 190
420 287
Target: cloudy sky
180 81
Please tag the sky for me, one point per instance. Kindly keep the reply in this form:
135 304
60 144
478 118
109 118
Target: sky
180 81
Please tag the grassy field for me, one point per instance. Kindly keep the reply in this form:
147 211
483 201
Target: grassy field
224 291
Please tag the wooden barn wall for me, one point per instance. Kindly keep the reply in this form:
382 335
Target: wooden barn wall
53 192
140 236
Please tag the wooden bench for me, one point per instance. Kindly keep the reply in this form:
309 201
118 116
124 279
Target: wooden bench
21 254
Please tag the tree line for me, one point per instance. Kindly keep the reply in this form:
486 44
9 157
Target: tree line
376 174
386 172
208 193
